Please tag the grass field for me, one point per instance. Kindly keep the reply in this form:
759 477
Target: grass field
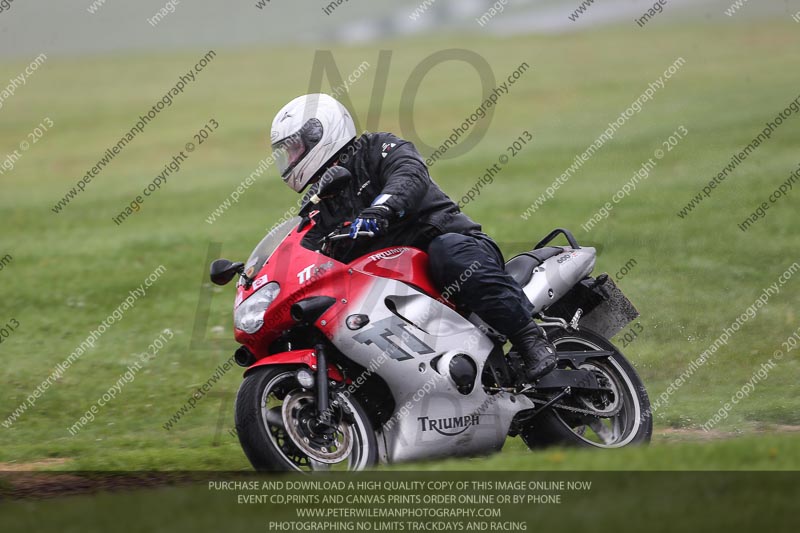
692 276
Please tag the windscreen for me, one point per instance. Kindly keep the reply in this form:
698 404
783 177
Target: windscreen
268 245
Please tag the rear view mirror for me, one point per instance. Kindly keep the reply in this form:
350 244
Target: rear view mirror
223 271
332 182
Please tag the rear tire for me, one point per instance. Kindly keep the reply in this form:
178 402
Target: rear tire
260 424
631 426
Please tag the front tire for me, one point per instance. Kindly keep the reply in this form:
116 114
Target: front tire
633 424
270 397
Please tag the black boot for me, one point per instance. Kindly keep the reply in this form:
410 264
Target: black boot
535 350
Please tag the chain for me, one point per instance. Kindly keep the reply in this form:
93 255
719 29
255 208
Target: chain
578 409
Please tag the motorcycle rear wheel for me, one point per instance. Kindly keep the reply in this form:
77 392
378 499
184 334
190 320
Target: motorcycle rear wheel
269 398
633 423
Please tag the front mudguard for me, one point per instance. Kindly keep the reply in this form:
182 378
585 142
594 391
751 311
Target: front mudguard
306 357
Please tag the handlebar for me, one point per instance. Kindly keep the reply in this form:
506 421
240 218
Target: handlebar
347 235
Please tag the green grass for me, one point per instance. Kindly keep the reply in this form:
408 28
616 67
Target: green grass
698 495
758 452
692 277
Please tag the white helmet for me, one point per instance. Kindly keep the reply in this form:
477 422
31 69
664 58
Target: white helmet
306 133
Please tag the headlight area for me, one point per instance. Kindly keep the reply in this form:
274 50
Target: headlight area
249 316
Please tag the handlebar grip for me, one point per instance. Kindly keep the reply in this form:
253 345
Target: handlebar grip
347 235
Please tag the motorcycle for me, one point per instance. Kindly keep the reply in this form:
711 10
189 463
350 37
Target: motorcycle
351 365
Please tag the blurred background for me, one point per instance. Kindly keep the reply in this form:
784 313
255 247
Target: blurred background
113 26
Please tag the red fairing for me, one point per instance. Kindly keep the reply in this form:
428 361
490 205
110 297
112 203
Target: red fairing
409 265
303 273
300 357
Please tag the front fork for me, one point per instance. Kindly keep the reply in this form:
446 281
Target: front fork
322 383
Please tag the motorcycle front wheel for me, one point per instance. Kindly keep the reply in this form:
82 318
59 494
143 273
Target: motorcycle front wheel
280 430
623 416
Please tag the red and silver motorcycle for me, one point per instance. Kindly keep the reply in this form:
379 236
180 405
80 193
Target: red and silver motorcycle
349 365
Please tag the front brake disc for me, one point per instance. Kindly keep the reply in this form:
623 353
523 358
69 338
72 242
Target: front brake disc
322 448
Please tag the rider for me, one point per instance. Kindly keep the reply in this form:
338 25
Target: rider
392 195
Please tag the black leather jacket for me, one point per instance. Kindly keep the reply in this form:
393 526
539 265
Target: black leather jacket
383 164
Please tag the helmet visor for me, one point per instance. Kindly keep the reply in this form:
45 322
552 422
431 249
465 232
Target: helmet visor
289 151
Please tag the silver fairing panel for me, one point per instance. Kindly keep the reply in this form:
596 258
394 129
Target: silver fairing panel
408 331
556 276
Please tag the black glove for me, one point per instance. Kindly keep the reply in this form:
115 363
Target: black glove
375 218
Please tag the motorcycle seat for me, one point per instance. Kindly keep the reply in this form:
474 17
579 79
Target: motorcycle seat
521 267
